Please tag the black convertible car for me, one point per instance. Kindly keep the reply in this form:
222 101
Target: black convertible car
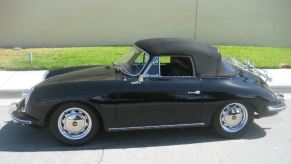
159 83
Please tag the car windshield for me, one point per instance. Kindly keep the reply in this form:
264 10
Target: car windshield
132 62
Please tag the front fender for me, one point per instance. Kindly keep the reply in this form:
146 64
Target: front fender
101 95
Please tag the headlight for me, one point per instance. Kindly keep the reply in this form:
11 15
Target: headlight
27 96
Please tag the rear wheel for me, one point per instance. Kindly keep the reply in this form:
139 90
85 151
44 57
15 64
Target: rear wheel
74 124
232 120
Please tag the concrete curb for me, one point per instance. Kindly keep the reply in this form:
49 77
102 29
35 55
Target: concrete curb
14 83
281 89
9 94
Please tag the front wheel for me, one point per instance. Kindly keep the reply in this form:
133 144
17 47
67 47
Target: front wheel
232 120
74 124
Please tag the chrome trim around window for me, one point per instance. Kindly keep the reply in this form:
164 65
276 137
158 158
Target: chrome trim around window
153 60
156 127
130 74
148 67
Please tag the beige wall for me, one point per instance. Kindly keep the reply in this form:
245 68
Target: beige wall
245 22
58 23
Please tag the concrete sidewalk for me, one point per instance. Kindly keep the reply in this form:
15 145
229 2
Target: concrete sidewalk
281 79
19 80
15 82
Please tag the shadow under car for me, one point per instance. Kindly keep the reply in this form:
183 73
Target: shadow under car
18 138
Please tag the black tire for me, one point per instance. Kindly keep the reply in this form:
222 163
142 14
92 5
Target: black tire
53 124
218 127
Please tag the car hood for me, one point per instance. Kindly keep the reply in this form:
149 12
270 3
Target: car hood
89 74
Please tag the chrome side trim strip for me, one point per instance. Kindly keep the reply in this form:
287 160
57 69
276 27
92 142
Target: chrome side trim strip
156 127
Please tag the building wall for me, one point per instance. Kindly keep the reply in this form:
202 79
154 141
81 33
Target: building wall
245 22
60 23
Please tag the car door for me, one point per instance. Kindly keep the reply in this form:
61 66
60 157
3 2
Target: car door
159 100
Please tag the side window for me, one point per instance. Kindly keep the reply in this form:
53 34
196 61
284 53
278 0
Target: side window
171 66
165 60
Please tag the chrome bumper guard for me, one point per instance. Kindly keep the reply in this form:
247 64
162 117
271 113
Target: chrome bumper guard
13 111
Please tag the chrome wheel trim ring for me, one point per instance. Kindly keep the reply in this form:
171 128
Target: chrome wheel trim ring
233 117
74 123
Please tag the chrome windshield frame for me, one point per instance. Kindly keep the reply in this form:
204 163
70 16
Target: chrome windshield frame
117 66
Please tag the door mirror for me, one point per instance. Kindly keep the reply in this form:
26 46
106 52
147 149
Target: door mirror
139 81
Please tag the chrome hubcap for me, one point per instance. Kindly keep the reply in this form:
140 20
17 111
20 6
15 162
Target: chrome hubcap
233 117
74 123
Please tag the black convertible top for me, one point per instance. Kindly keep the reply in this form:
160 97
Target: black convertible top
178 46
207 59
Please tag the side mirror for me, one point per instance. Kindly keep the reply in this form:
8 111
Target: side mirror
139 81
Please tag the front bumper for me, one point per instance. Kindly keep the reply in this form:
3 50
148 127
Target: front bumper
17 116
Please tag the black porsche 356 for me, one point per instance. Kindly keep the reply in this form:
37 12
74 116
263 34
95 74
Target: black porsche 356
159 83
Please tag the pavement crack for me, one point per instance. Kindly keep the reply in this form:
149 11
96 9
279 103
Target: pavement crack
101 158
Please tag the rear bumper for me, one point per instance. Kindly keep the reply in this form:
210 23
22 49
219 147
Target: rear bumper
17 117
275 109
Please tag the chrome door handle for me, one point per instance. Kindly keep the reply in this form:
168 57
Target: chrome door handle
193 92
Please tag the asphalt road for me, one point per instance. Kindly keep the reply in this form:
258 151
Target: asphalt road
268 141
